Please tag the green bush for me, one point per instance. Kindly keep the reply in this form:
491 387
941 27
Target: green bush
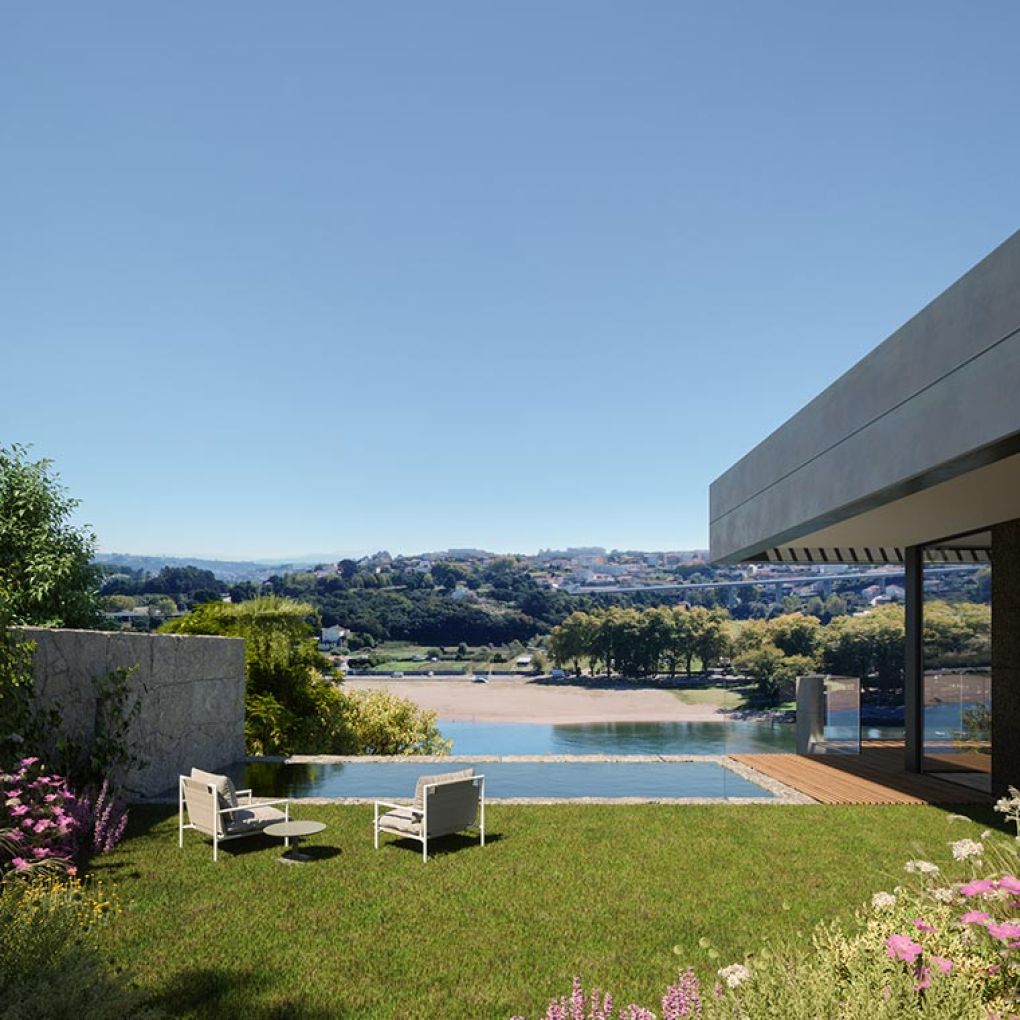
50 964
382 723
292 703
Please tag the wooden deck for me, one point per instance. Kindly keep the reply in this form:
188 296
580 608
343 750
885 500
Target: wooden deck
875 776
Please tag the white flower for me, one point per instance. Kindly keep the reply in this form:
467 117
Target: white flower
734 974
942 895
921 868
883 901
986 833
964 848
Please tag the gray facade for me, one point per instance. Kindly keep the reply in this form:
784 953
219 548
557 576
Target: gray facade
912 456
917 442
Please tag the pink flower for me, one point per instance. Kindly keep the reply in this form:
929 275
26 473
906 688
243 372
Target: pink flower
1004 931
43 824
975 917
19 862
26 762
922 925
942 964
923 980
40 851
902 947
19 809
1010 884
978 887
993 968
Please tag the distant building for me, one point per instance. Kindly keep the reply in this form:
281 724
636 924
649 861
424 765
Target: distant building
330 637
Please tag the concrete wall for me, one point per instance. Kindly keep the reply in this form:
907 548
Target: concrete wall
937 398
191 691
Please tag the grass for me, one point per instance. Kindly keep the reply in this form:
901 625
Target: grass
728 697
482 933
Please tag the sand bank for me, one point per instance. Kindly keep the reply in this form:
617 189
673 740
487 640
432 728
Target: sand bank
526 701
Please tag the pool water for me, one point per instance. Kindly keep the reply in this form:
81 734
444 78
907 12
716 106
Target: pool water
730 737
541 779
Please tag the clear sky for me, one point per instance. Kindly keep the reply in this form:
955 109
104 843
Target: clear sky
279 279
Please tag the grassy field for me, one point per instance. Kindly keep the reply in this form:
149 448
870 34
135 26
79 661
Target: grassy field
400 657
481 933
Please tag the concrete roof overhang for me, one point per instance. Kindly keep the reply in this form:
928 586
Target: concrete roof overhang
917 443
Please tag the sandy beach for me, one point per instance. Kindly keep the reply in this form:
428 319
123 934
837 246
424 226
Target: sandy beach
525 701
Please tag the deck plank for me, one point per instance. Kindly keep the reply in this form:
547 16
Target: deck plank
875 776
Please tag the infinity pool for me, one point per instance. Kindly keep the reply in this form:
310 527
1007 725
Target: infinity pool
730 737
533 779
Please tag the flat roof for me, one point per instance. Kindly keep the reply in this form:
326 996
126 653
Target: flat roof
917 443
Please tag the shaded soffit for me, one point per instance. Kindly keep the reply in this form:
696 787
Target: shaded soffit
951 519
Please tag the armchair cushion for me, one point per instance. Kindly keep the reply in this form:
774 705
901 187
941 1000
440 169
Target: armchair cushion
401 820
225 792
445 777
252 819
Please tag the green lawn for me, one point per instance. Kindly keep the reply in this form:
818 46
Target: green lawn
481 933
734 697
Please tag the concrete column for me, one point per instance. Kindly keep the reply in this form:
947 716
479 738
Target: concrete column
913 666
1005 655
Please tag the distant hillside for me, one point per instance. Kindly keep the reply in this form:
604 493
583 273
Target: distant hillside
225 570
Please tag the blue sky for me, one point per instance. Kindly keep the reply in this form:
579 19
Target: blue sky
322 277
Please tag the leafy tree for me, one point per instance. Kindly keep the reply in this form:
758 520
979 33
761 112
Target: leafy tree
47 576
291 703
795 634
572 641
711 638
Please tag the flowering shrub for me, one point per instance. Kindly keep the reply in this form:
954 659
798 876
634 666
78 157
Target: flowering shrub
44 821
944 944
100 820
39 811
682 1000
50 963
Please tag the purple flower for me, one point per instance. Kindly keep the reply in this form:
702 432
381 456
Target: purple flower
978 887
682 999
902 947
1004 932
975 917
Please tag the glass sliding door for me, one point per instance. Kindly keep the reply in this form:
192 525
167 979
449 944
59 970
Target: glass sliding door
957 690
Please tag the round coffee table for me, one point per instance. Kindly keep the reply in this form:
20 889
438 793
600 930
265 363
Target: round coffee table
293 830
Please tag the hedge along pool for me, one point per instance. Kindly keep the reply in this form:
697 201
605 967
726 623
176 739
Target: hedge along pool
641 779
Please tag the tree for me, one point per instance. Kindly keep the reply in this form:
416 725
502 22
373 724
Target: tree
795 634
711 639
47 576
572 641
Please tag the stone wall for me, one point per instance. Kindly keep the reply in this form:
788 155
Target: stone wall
191 691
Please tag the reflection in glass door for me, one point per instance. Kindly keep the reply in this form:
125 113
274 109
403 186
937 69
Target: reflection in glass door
957 688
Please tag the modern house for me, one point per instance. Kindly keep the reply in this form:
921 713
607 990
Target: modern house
911 458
